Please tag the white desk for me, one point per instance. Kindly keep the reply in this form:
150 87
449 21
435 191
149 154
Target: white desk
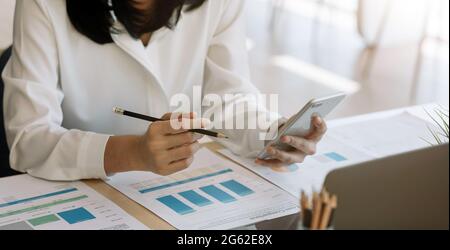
153 221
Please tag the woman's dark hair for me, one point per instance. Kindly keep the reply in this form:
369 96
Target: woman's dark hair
93 18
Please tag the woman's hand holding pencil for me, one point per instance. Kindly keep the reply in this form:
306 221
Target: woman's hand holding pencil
177 121
163 149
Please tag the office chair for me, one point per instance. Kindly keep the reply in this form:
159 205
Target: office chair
5 169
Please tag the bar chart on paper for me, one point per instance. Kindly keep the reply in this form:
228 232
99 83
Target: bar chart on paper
39 205
205 194
211 194
349 141
310 175
330 157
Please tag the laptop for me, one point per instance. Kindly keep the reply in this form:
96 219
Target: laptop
407 191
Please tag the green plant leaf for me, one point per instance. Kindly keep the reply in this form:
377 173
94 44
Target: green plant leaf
444 122
435 121
425 140
445 114
435 136
444 111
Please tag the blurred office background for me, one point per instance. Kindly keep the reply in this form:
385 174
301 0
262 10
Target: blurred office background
384 53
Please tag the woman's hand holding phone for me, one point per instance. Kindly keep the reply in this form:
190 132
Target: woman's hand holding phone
301 147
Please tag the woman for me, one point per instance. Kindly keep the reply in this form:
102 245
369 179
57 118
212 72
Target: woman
74 60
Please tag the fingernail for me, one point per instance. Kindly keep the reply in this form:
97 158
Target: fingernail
186 124
285 139
319 121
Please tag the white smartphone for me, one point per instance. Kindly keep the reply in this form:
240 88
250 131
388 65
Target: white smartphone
300 123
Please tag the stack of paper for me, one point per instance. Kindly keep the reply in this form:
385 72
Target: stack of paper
213 193
347 144
40 205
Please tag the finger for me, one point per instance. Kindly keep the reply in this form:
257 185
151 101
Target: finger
189 122
181 116
270 163
192 115
281 155
177 140
320 128
198 137
170 116
298 157
176 121
195 123
181 164
177 166
166 116
178 115
184 152
163 128
301 144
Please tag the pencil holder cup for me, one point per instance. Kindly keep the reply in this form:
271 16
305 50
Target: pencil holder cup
300 226
317 213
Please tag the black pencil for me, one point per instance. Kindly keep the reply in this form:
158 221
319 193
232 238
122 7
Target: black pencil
153 119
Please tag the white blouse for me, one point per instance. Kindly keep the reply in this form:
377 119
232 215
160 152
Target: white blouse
60 87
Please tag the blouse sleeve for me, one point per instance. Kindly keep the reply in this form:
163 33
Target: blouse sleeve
38 143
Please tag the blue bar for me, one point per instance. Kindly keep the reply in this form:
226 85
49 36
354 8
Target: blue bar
176 205
195 198
76 215
218 194
38 197
148 190
237 188
336 156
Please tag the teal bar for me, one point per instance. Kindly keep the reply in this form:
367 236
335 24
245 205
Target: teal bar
195 198
38 197
336 157
176 205
75 216
237 188
218 194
